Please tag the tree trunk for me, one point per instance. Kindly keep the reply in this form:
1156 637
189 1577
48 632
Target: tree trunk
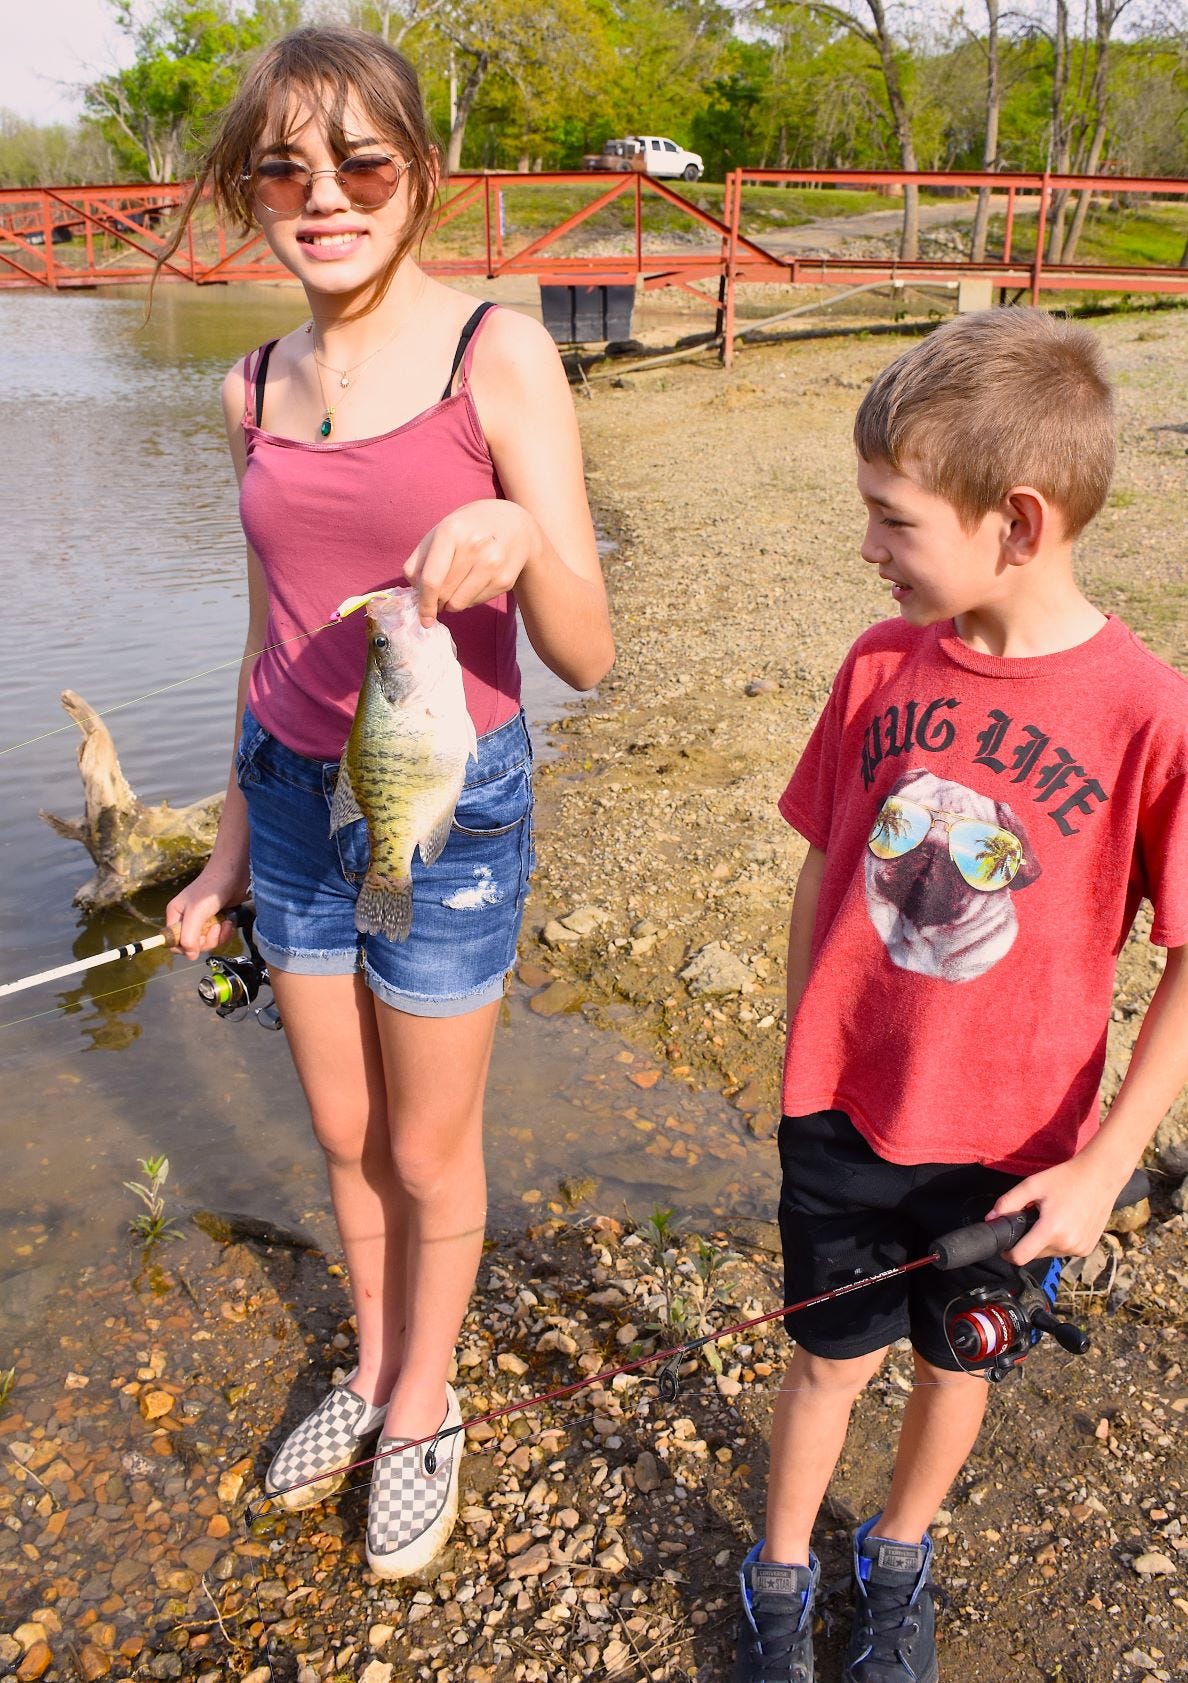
909 241
977 248
134 846
466 99
1058 150
1107 13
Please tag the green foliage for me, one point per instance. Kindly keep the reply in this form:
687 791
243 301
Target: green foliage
188 59
152 1225
691 1287
7 1381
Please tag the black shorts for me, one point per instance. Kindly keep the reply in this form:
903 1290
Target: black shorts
845 1212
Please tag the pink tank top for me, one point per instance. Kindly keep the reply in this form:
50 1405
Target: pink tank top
335 520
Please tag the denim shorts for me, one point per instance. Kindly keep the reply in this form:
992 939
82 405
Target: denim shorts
467 906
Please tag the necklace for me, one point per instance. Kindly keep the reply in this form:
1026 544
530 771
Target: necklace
344 374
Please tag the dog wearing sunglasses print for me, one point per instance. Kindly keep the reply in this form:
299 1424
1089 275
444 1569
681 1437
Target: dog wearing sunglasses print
942 867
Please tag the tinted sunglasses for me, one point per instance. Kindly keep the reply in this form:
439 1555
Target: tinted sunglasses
986 856
283 186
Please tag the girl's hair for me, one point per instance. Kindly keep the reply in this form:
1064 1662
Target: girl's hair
324 69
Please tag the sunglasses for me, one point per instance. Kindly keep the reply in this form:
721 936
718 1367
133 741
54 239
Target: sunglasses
986 857
283 186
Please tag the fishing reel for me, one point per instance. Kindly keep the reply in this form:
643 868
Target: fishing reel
992 1329
234 984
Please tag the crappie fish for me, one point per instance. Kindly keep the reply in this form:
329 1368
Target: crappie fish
405 760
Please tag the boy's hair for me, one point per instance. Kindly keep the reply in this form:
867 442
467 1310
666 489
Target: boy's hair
324 69
995 399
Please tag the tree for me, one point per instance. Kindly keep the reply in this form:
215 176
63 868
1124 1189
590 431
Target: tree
189 54
977 245
868 21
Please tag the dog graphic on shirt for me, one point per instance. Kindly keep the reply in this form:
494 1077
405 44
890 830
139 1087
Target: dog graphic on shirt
943 866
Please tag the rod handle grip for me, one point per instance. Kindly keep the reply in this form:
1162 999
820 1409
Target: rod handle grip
967 1245
990 1238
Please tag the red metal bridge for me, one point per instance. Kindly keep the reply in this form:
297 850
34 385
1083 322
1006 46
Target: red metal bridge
58 238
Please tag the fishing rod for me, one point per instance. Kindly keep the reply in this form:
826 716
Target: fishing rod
243 917
990 1331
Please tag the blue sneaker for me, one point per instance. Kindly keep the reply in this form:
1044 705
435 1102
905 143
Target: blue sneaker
893 1638
775 1633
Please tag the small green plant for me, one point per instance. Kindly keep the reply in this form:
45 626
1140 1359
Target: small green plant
7 1381
152 1225
690 1286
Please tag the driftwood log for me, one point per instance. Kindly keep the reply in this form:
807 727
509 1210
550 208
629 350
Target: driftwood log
134 846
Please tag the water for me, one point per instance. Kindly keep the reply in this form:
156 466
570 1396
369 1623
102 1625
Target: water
124 572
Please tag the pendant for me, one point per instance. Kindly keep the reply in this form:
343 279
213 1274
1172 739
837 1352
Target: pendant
344 382
324 429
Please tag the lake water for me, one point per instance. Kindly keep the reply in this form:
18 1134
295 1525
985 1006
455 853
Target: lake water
123 562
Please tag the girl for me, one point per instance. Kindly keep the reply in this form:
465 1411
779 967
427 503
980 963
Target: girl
400 437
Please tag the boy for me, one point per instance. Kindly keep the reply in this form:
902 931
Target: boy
998 777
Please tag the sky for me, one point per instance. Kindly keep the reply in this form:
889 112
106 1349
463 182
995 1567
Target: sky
49 44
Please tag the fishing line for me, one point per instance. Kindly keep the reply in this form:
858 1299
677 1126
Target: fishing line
109 993
178 683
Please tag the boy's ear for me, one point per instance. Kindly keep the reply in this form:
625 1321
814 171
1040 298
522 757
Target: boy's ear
1029 519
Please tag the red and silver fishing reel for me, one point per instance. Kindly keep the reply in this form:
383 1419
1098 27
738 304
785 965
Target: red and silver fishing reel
992 1328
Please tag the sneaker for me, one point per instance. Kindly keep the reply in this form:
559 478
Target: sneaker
893 1639
329 1437
414 1499
775 1633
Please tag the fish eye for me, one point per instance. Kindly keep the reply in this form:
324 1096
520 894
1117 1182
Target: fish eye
380 642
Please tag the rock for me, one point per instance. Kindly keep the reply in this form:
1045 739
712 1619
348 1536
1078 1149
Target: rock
93 1662
558 1342
613 1559
1153 1565
533 975
762 1124
380 1635
508 1362
164 1666
584 921
643 928
559 997
760 686
36 1662
530 1562
1179 1197
376 1671
10 1650
258 1674
1130 1220
647 1473
30 1633
641 945
713 972
555 934
750 1097
154 1404
1170 1144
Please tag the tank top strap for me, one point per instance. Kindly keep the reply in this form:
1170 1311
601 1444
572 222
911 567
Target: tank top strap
255 372
465 347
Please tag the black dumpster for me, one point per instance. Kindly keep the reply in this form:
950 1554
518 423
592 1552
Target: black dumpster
587 315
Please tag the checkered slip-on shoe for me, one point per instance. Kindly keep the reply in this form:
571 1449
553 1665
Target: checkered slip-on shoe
329 1437
412 1510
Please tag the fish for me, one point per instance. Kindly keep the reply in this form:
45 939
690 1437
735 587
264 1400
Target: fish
405 760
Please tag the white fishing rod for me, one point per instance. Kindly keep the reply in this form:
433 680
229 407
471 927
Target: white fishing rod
168 938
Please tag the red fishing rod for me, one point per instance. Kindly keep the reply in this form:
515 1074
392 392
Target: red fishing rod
990 1330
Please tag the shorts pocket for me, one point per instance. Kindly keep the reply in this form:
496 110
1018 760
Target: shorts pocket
252 738
497 806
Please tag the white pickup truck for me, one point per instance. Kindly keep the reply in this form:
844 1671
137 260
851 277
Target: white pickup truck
654 154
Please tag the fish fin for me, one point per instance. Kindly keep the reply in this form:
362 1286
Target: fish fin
433 843
385 907
346 808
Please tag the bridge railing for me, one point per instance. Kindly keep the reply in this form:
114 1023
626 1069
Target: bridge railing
63 237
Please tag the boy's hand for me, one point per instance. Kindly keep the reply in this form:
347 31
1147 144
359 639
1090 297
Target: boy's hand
1075 1200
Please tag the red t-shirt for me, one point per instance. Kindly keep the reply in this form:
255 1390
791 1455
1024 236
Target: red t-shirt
989 827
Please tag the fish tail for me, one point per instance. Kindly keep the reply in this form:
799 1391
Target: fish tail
385 907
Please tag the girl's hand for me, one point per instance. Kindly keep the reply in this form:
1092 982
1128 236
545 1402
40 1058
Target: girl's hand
474 554
1075 1201
192 916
